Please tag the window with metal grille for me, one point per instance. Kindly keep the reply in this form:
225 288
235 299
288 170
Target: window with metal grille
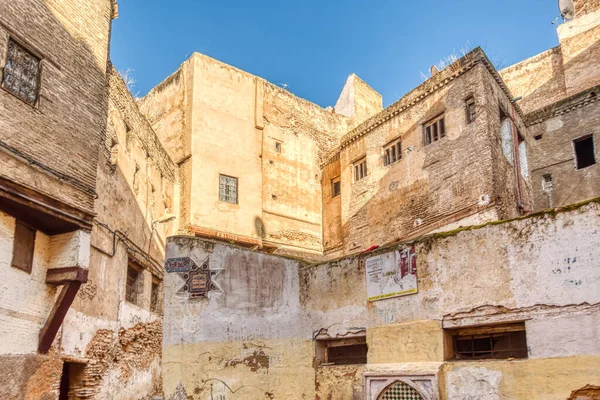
434 130
228 189
336 187
487 342
471 110
360 169
21 75
342 351
154 301
278 147
393 152
584 151
133 286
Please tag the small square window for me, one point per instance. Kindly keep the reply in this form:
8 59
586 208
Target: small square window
393 152
133 287
23 247
342 351
471 110
21 73
336 187
434 130
278 147
584 151
487 342
360 169
228 189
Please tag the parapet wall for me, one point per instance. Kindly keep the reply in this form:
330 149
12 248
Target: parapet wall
249 333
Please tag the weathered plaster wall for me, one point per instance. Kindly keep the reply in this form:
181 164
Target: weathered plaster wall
243 342
252 337
522 270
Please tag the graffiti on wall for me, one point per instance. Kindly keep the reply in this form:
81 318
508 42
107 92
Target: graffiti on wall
391 274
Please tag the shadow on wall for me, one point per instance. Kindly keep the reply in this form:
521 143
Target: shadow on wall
259 226
36 376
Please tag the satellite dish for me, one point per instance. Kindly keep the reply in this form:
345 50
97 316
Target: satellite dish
567 9
434 70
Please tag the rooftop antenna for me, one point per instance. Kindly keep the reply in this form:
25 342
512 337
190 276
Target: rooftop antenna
567 9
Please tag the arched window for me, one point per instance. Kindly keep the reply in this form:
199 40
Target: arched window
400 391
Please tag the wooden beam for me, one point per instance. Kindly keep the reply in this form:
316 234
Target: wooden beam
42 212
57 315
60 276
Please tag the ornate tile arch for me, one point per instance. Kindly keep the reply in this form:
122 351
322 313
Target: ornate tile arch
395 386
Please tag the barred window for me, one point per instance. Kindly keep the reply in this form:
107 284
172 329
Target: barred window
134 283
21 75
341 351
228 189
487 342
360 169
434 130
393 153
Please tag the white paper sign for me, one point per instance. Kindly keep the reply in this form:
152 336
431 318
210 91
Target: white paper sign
391 274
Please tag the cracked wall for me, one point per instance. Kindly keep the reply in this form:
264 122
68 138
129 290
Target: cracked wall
253 337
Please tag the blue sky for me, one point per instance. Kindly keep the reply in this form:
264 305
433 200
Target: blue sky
313 46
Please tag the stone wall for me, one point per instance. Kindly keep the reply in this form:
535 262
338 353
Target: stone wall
556 179
56 142
558 90
252 338
463 175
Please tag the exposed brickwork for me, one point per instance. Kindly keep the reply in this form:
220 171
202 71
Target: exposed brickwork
134 349
62 133
464 174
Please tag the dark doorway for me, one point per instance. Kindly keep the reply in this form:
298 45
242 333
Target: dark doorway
70 380
584 152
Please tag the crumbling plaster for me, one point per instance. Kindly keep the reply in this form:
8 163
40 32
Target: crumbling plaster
516 270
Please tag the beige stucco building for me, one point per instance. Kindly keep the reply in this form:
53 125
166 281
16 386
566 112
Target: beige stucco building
223 238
